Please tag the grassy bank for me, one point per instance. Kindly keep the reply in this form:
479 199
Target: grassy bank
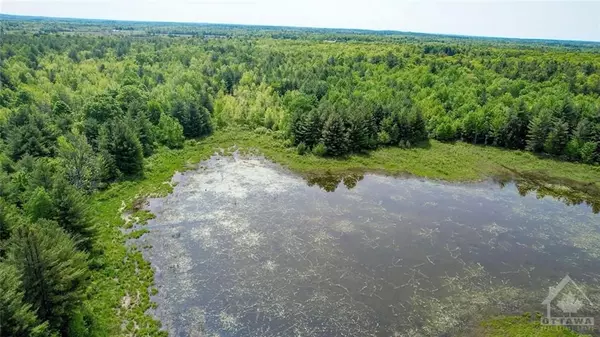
448 161
119 295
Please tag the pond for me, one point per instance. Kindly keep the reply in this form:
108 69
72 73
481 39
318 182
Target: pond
243 247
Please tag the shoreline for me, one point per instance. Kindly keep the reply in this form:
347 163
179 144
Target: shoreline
125 262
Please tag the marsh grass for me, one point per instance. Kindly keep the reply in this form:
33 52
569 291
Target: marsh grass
524 325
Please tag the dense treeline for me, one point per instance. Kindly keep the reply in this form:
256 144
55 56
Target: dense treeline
78 112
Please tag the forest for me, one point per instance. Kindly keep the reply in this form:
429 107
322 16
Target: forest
83 103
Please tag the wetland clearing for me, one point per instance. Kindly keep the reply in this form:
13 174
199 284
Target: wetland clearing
244 247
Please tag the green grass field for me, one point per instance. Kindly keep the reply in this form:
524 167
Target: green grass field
120 289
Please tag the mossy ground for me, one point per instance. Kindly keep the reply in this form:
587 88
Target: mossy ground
522 326
121 281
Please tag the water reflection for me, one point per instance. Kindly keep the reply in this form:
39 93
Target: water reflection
244 248
330 182
525 184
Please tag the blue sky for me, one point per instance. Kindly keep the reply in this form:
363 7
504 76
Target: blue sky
576 20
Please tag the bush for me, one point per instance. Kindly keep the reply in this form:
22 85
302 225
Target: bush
404 144
572 151
301 149
383 138
170 132
445 132
587 152
261 130
319 150
279 135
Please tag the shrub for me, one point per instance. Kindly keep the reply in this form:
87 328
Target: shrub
319 150
587 152
261 130
170 132
301 148
383 138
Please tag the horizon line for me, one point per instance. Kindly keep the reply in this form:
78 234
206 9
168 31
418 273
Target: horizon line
538 39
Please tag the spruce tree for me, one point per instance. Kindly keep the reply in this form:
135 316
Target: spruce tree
5 222
180 112
557 138
404 128
16 316
193 128
205 122
54 273
199 122
390 126
70 212
125 148
538 131
358 133
308 129
418 127
516 127
335 137
145 134
39 205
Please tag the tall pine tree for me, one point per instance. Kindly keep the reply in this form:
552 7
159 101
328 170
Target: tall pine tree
539 127
122 144
557 138
335 137
70 212
54 273
16 316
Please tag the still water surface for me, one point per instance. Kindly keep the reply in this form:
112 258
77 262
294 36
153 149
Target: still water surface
245 248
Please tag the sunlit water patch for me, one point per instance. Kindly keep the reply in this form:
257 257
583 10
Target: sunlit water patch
245 248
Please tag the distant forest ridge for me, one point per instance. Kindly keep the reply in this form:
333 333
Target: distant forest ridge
195 28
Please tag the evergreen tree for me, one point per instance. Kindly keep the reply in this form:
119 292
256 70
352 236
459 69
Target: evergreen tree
30 133
588 152
54 273
539 127
108 170
60 108
193 127
154 111
516 127
39 205
5 223
98 111
308 129
62 115
125 148
199 122
404 128
377 118
16 316
584 130
418 126
70 212
145 134
358 133
41 173
206 127
390 126
557 138
334 136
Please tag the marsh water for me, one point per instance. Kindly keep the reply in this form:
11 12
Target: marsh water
243 247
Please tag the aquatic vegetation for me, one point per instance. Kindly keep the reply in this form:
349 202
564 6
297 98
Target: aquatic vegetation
259 252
